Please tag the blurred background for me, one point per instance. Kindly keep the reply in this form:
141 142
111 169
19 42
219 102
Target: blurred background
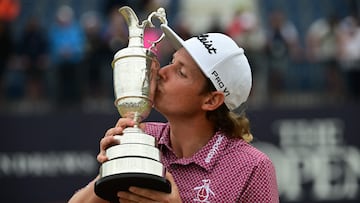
56 91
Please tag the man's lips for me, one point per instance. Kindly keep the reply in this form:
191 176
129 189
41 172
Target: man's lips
158 86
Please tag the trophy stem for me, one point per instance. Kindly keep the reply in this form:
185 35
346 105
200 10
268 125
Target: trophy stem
137 119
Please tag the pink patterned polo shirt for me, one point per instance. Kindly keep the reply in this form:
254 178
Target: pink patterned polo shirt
224 170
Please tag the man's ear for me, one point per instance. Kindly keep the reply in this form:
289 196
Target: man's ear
213 100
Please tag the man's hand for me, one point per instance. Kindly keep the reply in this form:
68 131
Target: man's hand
142 195
108 140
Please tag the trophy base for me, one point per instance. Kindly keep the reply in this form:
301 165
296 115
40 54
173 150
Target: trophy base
107 187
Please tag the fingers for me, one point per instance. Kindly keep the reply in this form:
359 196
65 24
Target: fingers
105 143
142 126
125 201
171 179
108 140
125 122
129 197
137 194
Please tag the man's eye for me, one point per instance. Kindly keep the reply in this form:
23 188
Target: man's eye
182 74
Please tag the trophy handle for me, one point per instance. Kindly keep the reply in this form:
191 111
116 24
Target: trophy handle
160 14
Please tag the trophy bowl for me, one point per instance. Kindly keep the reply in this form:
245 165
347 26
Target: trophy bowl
136 161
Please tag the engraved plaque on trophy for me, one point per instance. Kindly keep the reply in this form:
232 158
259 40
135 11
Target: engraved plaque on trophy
136 161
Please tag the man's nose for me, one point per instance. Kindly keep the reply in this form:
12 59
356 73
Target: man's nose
162 72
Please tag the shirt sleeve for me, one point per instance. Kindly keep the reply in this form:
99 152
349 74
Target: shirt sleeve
262 185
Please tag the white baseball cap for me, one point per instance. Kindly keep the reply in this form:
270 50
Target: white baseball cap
222 61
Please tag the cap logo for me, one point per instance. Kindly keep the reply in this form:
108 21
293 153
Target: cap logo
219 83
207 43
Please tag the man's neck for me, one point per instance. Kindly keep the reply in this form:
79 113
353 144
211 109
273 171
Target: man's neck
189 136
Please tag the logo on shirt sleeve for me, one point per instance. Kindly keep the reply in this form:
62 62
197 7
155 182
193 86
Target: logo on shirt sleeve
203 192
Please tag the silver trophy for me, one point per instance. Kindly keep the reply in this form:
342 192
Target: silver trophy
136 161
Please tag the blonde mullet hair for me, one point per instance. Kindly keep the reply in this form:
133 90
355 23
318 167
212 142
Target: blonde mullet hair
241 127
230 123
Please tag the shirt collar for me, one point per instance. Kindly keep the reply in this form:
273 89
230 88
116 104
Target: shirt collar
206 157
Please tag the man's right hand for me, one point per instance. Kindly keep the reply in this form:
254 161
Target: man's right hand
109 140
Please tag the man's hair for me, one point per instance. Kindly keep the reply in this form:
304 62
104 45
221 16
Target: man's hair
231 124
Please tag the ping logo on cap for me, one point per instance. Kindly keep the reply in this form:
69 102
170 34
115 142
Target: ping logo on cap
207 43
220 83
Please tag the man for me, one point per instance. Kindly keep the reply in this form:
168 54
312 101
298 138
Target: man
204 145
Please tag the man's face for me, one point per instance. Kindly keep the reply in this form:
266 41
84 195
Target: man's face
180 86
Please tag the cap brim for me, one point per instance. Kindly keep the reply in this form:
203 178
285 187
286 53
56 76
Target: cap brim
175 40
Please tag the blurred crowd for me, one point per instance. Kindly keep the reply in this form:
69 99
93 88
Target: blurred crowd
68 64
324 61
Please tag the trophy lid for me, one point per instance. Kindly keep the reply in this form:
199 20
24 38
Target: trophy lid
136 30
